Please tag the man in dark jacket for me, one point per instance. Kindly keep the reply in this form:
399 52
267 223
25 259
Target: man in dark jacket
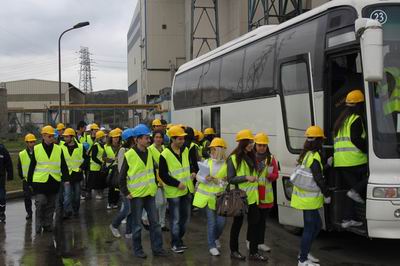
6 171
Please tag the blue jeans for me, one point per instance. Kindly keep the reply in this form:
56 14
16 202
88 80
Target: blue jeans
179 211
215 226
149 204
72 192
312 226
124 212
2 200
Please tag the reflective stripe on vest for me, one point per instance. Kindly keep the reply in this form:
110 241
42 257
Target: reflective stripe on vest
140 177
251 188
306 200
263 181
345 152
93 165
46 166
179 171
75 160
206 192
25 162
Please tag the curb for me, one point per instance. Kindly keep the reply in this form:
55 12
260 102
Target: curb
16 194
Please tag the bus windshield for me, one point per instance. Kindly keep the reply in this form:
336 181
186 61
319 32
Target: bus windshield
385 96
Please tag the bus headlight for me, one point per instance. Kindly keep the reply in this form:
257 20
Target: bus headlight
386 192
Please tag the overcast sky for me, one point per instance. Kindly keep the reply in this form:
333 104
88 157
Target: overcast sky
29 31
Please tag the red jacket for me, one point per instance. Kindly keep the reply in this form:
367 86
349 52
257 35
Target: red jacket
271 178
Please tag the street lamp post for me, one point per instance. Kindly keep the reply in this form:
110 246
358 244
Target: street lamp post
77 26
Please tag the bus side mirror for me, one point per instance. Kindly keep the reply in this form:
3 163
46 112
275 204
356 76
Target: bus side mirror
370 34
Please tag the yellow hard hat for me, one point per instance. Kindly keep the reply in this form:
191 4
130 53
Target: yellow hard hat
209 131
94 127
100 134
176 131
314 132
60 126
244 134
218 142
118 130
355 96
261 138
156 122
114 134
47 130
30 137
69 132
201 136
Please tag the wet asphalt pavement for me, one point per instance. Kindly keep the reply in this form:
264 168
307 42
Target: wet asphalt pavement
87 240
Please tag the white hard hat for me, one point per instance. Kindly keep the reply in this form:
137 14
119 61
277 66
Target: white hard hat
102 128
87 128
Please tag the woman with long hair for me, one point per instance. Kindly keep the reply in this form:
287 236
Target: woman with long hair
208 187
311 201
241 171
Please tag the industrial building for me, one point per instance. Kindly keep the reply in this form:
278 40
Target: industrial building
29 101
164 34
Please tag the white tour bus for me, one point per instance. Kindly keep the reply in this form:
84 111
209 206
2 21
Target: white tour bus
281 79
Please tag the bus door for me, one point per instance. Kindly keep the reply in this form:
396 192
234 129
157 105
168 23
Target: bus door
344 74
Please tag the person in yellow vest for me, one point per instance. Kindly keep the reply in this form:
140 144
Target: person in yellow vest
392 90
138 183
80 130
97 175
90 138
209 135
161 202
177 176
46 170
111 151
309 202
60 130
198 137
209 186
24 160
77 161
268 172
242 172
350 155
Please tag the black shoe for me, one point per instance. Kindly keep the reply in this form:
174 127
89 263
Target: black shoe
141 255
28 216
237 256
257 256
161 253
176 249
164 229
183 246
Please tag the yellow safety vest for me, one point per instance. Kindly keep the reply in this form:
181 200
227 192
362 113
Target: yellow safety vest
392 104
140 177
25 162
88 139
110 154
93 165
179 171
206 192
346 154
303 199
155 153
75 160
251 188
198 150
46 166
263 181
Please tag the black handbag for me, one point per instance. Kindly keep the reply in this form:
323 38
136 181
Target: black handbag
232 202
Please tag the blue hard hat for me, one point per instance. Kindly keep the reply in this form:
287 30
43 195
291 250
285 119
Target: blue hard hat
141 130
127 133
56 134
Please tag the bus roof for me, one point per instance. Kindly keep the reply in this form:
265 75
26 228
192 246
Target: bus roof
270 29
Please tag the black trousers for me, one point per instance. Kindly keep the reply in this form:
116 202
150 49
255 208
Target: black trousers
253 229
261 225
355 178
113 195
27 197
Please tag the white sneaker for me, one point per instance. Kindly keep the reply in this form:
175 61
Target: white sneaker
99 197
218 243
214 252
352 194
248 244
115 231
264 248
307 263
123 221
310 258
109 206
350 223
128 236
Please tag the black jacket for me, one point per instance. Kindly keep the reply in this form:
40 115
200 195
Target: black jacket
6 166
